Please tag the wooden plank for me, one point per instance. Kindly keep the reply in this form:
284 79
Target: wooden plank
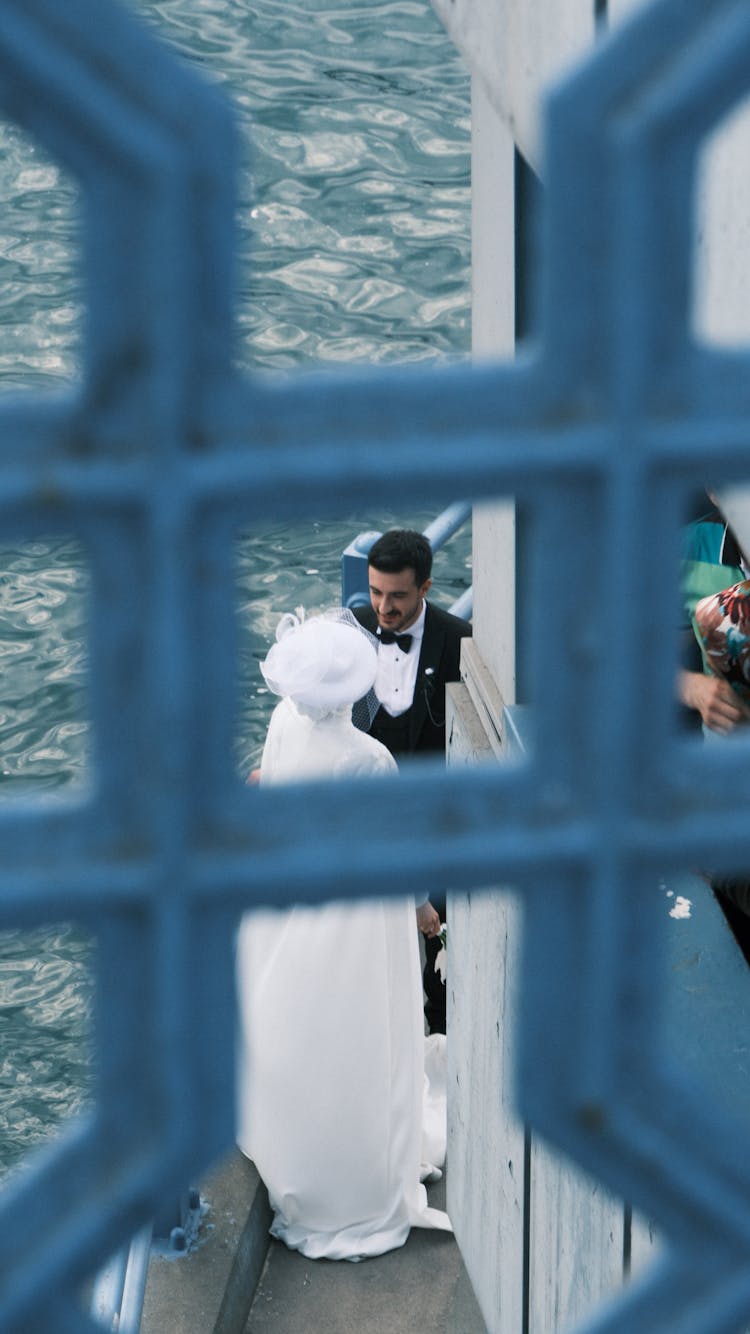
645 1246
485 1137
576 1237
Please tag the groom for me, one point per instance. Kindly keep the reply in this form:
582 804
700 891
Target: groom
419 652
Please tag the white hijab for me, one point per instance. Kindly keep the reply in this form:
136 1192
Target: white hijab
320 666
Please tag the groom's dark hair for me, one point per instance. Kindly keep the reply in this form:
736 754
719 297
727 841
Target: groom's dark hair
402 549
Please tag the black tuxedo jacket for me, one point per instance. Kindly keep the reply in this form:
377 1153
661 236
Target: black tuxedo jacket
439 663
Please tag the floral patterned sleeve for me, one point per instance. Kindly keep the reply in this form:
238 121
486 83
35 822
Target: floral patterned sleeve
722 623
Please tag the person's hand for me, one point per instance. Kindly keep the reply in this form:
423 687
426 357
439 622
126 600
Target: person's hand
253 777
428 920
719 706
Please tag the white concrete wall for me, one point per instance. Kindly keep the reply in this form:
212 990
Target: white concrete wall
493 300
721 292
486 1206
516 1212
513 1215
576 1243
515 48
485 1137
721 305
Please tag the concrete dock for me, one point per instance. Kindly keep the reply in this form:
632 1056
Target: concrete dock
238 1281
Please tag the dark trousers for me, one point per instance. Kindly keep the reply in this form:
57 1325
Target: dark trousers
394 734
434 1009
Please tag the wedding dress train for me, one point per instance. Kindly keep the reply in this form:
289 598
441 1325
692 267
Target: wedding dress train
332 1094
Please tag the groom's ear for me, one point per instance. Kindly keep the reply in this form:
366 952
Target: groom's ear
426 586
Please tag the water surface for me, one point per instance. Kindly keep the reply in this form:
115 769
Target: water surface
353 246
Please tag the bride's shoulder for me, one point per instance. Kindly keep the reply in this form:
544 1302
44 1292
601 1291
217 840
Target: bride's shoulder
380 758
363 756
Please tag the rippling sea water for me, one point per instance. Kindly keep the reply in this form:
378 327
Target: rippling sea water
353 245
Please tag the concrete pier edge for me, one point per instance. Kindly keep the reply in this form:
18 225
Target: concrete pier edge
210 1289
247 1266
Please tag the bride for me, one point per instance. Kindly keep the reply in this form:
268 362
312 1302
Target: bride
334 1106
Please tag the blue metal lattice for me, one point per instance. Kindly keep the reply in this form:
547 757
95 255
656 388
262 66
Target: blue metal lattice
165 452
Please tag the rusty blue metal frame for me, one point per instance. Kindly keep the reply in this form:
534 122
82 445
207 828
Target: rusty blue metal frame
165 452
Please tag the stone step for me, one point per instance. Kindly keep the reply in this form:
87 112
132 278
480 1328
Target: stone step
422 1288
209 1289
237 1281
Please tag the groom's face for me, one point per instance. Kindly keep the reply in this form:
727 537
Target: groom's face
396 598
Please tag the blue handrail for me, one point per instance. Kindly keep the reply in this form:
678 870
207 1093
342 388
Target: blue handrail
464 605
108 1287
354 583
134 1288
447 523
120 1287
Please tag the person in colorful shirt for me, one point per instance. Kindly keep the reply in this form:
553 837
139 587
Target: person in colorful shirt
712 561
714 678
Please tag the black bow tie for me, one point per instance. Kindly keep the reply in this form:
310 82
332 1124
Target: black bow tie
402 641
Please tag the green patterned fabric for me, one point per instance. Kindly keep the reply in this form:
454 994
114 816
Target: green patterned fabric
722 624
703 571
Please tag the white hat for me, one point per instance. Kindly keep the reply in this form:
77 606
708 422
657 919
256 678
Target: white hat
322 663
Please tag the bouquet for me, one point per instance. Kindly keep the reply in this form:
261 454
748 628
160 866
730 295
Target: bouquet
441 958
722 624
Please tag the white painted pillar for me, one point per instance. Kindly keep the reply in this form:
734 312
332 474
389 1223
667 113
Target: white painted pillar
486 1141
541 1243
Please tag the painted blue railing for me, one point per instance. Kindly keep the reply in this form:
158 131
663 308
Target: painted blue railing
355 590
120 1287
165 452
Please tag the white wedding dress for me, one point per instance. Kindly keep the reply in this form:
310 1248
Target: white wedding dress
334 1105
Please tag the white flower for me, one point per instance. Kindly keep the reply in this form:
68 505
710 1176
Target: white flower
441 958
